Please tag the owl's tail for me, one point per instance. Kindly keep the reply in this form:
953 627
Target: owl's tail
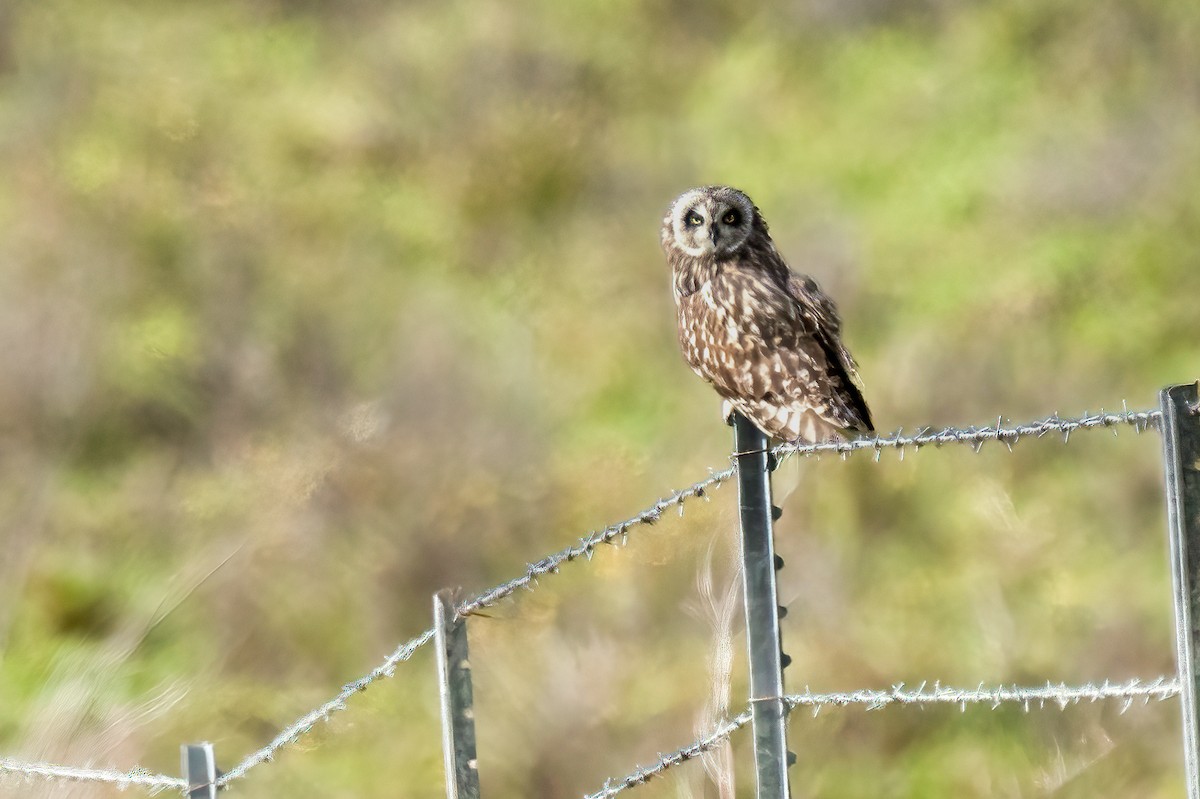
788 422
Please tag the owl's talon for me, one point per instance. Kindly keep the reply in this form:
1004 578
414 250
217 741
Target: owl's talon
727 412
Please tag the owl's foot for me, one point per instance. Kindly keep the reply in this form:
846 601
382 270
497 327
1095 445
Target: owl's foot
727 412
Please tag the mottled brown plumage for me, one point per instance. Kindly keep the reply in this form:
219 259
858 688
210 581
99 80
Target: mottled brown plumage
765 337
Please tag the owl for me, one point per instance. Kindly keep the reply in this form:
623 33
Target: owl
766 338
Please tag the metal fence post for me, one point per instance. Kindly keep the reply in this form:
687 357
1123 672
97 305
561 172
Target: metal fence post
1181 455
759 563
199 767
458 712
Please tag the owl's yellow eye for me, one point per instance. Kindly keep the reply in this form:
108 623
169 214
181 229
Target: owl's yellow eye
731 218
694 219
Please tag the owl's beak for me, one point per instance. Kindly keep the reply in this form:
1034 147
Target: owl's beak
715 235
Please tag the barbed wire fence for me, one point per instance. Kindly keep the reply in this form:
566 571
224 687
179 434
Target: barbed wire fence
1179 404
1058 695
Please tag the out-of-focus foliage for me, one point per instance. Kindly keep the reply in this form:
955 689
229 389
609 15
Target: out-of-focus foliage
310 309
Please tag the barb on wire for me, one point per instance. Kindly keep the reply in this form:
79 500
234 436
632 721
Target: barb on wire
121 779
978 436
1059 694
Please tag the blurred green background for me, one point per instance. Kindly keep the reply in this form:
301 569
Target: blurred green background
308 310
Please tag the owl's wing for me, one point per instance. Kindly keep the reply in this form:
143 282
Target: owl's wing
821 316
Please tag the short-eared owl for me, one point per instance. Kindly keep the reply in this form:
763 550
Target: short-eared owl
765 337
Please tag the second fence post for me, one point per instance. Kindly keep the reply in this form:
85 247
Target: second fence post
458 710
759 564
1181 454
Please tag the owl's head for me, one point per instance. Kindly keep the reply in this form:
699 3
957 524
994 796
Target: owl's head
711 220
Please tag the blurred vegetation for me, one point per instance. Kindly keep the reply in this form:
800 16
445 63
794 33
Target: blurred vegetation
310 309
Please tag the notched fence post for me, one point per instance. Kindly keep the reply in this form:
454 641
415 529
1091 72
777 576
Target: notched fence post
1181 456
759 564
458 710
199 766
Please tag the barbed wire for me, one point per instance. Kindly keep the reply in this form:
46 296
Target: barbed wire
587 545
121 779
294 731
1059 694
1053 694
644 774
618 534
288 735
548 565
976 437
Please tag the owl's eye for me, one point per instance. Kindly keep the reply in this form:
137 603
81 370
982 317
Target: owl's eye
731 218
694 219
